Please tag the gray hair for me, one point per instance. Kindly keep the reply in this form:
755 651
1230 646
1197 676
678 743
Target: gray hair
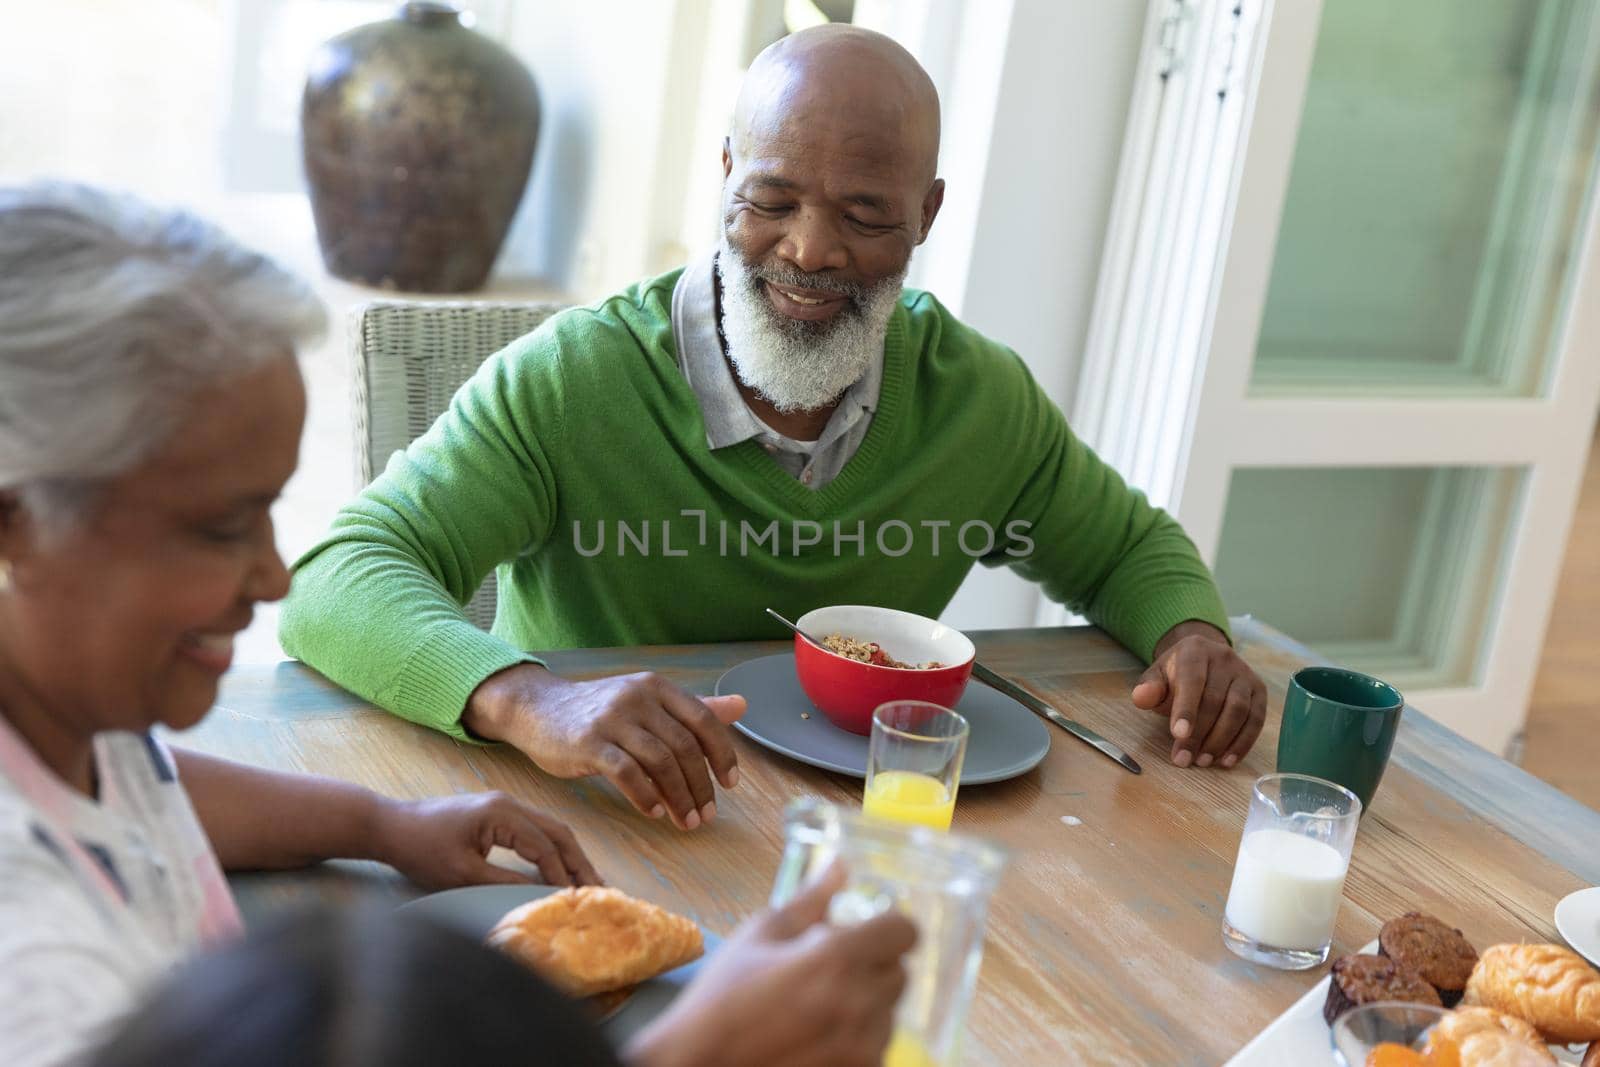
113 314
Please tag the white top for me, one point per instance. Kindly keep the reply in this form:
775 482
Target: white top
98 898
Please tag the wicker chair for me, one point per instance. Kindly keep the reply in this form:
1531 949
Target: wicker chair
410 358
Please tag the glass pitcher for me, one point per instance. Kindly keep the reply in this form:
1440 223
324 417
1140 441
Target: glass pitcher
941 881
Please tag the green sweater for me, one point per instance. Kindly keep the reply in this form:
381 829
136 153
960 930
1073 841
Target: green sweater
575 461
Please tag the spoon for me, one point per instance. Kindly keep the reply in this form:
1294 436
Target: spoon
796 629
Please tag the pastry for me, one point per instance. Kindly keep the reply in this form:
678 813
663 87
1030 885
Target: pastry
1592 1057
1464 1022
1360 980
596 940
1439 953
1487 1037
1553 988
1496 1048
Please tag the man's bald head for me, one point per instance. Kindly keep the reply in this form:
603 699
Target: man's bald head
831 184
820 76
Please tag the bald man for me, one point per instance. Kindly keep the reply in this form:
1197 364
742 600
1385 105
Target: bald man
780 424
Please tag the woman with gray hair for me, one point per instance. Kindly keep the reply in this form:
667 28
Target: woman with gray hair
150 413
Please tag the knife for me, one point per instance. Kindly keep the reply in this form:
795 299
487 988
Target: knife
1039 707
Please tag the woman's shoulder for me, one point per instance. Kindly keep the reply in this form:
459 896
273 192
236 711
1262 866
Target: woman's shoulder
64 974
136 755
44 904
68 966
52 841
36 816
22 843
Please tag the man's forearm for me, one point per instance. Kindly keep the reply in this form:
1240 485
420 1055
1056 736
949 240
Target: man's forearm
261 820
352 596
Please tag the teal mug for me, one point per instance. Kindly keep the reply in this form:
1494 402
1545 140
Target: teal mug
1339 725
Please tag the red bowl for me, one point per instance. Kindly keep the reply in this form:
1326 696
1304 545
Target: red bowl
848 691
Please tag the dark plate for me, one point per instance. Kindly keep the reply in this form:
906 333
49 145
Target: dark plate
475 909
1007 739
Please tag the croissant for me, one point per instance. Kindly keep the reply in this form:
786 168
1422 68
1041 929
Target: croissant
1549 986
1488 1038
1496 1048
1592 1057
594 940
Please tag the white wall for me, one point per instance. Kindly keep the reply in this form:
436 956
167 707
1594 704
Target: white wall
114 95
637 97
603 77
1034 97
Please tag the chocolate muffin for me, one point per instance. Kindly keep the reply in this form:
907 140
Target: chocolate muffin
1358 980
1438 953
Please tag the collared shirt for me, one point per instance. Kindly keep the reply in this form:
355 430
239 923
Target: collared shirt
729 420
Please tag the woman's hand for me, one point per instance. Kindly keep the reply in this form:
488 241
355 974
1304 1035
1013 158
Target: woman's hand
445 841
789 990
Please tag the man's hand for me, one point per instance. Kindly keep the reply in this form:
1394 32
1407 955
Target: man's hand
445 842
651 739
1214 702
789 990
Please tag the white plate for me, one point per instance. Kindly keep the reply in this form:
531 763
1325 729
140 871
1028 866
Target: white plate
1578 919
1300 1037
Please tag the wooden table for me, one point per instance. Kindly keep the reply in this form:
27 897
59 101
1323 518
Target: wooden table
1104 942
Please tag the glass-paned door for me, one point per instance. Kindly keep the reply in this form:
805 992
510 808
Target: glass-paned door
1393 569
1348 322
1439 174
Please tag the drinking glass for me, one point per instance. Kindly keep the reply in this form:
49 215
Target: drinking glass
1289 875
914 763
941 881
1361 1029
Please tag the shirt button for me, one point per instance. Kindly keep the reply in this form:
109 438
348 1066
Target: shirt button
769 446
806 477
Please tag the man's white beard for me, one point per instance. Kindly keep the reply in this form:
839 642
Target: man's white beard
796 364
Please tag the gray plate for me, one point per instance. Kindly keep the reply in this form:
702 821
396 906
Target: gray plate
1007 739
475 909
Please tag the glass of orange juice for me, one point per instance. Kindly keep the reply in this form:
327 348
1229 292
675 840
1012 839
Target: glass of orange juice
914 763
942 881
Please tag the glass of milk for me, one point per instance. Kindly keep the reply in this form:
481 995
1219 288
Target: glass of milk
1290 872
